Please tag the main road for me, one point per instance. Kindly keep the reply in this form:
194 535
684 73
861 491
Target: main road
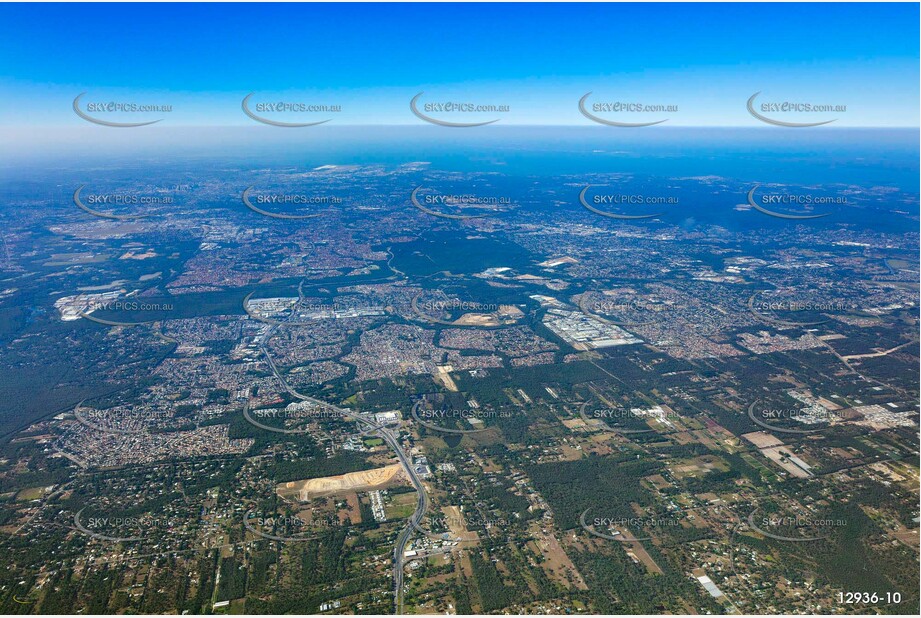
388 436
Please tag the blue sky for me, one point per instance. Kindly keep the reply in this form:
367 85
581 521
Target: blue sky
538 59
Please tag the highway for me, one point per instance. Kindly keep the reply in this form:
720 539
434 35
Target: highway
388 436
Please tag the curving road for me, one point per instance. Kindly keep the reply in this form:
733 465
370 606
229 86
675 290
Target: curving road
388 436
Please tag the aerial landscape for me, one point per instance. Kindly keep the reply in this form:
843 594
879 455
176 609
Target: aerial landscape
629 354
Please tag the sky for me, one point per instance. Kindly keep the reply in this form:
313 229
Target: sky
539 60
